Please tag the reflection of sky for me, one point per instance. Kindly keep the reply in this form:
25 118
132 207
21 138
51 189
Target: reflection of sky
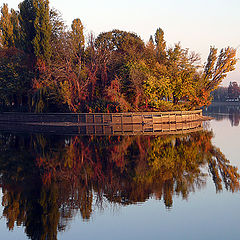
227 139
204 216
196 24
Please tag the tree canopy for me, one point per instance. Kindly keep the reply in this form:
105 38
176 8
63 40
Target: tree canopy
114 72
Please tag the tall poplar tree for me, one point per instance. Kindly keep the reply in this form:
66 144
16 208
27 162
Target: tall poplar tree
36 28
6 27
42 26
27 17
77 36
160 45
16 28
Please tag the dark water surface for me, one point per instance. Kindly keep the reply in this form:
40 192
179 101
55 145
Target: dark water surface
122 187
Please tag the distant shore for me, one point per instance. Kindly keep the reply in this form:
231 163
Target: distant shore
213 104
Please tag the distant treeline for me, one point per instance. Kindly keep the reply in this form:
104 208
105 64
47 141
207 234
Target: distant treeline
230 93
46 66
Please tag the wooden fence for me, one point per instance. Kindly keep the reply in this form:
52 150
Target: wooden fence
146 123
145 118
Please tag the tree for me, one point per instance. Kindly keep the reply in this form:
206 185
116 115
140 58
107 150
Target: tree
160 45
118 52
15 77
42 27
16 28
27 17
77 36
217 67
233 90
188 86
220 94
215 70
6 27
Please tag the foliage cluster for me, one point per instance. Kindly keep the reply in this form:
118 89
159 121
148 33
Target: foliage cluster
53 68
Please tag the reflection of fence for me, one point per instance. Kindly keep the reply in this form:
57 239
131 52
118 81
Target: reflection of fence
144 118
101 129
139 129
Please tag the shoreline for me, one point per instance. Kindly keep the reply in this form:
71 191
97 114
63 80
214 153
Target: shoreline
218 104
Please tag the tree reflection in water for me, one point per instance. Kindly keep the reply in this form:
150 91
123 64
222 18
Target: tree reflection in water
46 180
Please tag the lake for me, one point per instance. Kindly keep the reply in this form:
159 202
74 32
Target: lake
123 187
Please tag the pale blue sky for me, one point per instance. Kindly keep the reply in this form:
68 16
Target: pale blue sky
197 24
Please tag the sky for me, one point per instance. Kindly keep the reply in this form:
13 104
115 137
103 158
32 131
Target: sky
196 24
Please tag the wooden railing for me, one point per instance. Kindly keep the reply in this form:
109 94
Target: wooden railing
144 118
150 123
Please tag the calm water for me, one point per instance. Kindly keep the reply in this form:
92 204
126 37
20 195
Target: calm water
140 187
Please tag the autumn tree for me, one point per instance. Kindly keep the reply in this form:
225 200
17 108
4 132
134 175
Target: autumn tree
120 50
63 83
178 82
215 70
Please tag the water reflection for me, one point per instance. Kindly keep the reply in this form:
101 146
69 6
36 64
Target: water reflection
46 180
220 112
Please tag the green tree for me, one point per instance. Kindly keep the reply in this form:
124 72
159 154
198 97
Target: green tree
6 27
15 77
77 37
16 28
27 17
42 27
160 45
